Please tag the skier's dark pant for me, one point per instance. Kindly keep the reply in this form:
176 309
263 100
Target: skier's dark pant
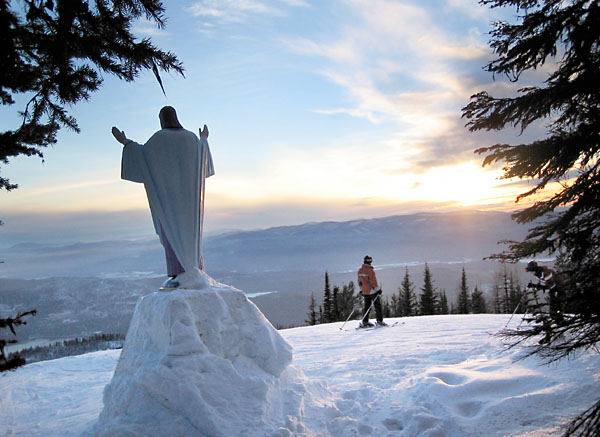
377 305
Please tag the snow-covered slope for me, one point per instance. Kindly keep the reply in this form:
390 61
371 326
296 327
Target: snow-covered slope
429 376
201 363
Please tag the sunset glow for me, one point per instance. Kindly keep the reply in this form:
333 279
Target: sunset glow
316 111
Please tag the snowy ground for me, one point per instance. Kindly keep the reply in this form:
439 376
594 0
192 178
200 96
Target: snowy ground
430 376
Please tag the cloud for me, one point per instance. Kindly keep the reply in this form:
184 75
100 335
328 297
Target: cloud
105 194
405 63
395 63
233 11
147 28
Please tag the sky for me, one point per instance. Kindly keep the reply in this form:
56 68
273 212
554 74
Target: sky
317 110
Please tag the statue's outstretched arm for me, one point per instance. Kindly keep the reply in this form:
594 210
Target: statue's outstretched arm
120 136
204 131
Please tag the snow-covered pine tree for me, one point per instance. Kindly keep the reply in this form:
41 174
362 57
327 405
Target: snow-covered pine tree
564 166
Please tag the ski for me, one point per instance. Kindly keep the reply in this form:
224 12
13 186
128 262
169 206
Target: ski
397 323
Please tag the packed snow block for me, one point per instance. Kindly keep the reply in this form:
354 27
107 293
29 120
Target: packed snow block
199 363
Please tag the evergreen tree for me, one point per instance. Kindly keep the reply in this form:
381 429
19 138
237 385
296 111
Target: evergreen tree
567 215
427 302
463 305
312 313
443 303
407 299
55 53
506 288
12 361
327 302
386 309
515 293
507 291
347 301
395 309
335 310
496 296
478 303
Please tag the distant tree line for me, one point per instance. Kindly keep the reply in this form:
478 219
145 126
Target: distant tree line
76 346
337 303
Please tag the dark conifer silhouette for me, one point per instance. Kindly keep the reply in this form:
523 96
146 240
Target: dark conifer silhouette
55 52
428 300
348 299
443 303
327 302
12 361
407 299
567 34
478 302
335 301
464 300
312 313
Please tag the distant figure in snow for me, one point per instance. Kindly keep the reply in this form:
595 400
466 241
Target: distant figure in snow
173 165
367 281
548 281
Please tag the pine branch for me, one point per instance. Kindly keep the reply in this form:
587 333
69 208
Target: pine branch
58 51
10 323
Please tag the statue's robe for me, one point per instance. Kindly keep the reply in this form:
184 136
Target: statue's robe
173 166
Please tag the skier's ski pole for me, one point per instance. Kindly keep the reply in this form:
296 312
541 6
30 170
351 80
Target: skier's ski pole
513 313
353 309
373 303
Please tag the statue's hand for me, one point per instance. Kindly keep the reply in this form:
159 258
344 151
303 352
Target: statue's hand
119 135
204 132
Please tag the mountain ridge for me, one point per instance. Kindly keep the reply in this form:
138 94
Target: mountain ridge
328 245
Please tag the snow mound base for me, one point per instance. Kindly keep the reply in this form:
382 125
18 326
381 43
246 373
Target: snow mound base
203 363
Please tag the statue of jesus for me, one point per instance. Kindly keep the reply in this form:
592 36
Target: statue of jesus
173 165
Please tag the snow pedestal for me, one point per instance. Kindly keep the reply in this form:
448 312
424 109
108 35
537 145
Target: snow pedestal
203 363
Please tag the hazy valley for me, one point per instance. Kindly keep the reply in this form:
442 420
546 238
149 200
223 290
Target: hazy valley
85 288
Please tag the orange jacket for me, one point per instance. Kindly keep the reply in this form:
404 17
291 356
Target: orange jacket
367 280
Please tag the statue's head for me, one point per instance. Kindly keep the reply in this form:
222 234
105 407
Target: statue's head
168 118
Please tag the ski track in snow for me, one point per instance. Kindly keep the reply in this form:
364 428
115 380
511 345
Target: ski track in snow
431 376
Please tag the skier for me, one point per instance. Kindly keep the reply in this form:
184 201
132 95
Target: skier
548 280
367 281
